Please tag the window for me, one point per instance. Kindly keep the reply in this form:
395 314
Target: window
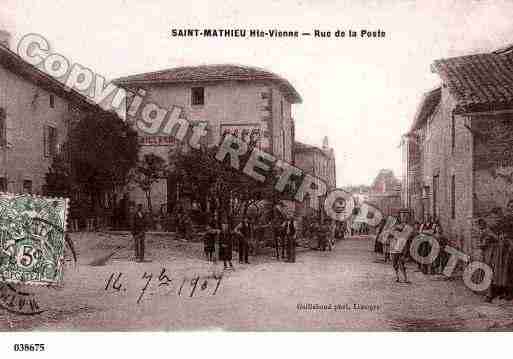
435 195
3 184
50 141
197 96
283 144
3 128
453 196
52 101
27 186
453 132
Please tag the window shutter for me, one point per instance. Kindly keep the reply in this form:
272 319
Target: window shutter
46 145
9 131
2 129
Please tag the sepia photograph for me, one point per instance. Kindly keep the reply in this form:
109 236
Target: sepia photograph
290 166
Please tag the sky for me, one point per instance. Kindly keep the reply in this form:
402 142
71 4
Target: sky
361 93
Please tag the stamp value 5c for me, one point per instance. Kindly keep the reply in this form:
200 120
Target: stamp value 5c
32 239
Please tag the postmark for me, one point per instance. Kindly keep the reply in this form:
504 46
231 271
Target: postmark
16 300
32 239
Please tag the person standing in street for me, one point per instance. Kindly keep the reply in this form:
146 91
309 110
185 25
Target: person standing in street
505 227
225 246
289 231
209 242
324 230
277 234
493 247
398 252
378 244
316 234
244 231
139 233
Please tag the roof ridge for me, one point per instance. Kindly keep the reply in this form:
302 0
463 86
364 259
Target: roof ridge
211 73
503 50
192 67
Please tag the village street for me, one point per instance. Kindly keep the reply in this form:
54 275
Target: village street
263 295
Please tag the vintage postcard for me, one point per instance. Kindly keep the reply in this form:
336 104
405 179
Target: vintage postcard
333 166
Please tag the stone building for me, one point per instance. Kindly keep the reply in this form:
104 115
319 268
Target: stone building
318 162
35 112
459 159
240 100
385 193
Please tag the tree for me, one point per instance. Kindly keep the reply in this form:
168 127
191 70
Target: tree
96 158
230 192
148 171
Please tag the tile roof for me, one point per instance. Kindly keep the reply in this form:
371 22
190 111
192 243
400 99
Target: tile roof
211 73
14 63
482 82
300 147
426 107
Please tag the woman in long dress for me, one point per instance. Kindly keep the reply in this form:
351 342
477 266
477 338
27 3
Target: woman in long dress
378 246
494 250
225 246
505 228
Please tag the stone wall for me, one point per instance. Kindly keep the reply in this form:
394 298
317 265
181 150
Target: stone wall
28 111
440 159
231 103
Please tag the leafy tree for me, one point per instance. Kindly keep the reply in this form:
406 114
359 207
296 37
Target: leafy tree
230 192
96 158
148 171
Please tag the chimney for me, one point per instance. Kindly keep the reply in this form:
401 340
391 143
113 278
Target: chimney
5 38
325 143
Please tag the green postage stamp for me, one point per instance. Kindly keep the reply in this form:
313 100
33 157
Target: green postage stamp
32 230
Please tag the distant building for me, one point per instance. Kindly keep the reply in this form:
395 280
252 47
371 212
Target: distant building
241 100
5 38
385 193
359 192
318 162
459 150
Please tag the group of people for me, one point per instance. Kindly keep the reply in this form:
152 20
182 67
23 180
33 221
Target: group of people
496 244
220 240
223 237
242 237
325 234
396 248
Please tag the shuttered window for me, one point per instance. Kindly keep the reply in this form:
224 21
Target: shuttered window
453 196
198 96
50 141
3 128
3 184
27 186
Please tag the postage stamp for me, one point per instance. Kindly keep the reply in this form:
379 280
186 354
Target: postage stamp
32 239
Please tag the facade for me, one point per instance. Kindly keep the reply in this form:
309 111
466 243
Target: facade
244 101
35 113
459 162
385 193
318 162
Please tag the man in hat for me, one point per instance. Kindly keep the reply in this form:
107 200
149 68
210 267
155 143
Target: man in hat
289 232
244 231
139 232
